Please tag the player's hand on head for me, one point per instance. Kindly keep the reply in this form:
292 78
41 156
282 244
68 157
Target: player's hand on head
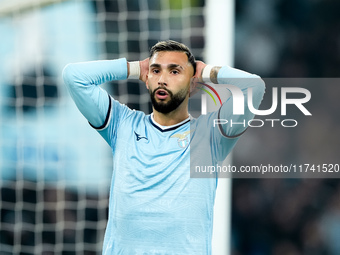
196 81
199 69
195 84
144 69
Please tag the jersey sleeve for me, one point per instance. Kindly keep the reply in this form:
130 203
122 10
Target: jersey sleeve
245 82
82 80
239 83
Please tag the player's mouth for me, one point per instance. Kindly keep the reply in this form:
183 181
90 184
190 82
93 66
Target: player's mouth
162 94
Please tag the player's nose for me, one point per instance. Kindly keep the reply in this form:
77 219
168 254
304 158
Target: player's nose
162 80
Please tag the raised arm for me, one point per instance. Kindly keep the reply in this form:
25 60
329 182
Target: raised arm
82 80
244 82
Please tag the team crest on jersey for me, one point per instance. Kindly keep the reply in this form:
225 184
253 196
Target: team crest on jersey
182 139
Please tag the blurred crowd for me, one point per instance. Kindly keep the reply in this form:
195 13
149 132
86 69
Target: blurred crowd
290 39
286 216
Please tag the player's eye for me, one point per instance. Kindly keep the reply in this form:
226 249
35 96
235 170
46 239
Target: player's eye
155 71
175 71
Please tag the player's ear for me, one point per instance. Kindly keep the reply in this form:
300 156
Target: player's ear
195 86
147 81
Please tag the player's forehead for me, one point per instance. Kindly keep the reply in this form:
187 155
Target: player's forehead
166 58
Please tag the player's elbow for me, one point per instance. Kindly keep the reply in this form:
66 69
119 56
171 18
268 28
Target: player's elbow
262 87
259 87
68 75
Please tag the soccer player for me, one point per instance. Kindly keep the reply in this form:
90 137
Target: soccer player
155 207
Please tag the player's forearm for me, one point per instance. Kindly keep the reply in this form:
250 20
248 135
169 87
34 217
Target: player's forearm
229 75
95 72
133 69
238 78
245 82
138 69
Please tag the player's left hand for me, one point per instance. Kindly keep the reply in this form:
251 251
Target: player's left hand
199 69
196 81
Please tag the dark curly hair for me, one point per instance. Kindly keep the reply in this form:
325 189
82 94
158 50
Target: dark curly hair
170 45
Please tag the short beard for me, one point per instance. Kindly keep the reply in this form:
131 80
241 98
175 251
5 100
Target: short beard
172 104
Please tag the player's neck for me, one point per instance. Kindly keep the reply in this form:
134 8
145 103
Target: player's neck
171 118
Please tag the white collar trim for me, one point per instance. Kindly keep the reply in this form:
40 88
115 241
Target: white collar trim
172 126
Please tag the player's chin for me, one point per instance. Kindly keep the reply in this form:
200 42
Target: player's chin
162 103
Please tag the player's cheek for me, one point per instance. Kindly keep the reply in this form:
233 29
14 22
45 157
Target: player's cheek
151 81
186 82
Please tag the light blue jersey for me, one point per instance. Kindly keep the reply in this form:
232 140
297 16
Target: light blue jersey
155 207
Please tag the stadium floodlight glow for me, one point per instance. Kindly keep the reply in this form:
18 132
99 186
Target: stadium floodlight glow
8 7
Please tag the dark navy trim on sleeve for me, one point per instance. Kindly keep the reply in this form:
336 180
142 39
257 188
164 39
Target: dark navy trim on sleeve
106 119
224 133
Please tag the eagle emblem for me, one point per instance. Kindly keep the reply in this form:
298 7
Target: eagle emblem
182 138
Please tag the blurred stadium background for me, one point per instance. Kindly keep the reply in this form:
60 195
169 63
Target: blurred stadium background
55 171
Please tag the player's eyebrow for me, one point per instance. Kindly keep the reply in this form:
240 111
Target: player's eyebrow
155 65
170 66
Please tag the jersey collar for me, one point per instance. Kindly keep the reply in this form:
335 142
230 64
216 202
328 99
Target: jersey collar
168 128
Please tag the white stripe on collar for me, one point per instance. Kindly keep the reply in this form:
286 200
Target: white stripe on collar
168 127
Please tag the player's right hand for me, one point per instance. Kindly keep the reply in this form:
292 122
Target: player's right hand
197 81
144 69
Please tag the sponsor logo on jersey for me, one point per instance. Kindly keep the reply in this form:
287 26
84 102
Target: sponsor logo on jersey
139 137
